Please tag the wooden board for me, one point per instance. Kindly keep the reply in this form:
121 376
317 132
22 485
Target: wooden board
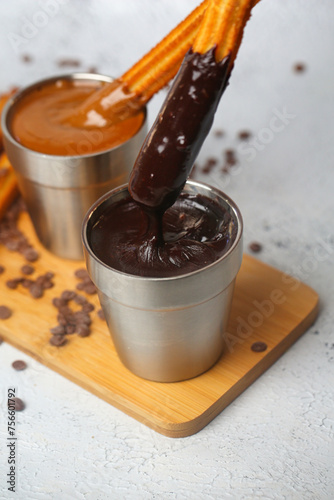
268 306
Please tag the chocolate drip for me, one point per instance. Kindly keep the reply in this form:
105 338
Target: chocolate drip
176 137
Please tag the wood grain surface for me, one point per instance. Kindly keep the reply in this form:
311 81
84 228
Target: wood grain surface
268 306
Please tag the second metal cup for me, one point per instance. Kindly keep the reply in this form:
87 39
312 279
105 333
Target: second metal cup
167 329
58 190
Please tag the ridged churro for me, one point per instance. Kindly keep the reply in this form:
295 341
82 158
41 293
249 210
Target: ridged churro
186 116
8 184
130 92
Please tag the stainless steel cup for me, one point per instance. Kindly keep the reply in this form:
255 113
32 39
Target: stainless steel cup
58 190
167 329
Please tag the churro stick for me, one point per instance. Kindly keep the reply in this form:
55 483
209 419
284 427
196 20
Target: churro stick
159 65
152 72
8 184
174 141
223 25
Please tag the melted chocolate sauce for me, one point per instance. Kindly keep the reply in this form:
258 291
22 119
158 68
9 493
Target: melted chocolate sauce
193 233
156 231
176 137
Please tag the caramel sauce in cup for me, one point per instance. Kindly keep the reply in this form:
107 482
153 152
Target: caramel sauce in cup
41 120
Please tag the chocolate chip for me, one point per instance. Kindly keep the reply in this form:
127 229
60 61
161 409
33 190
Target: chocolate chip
13 283
58 340
68 295
30 254
26 283
2 269
36 291
58 330
219 133
90 288
83 330
255 247
18 404
244 135
27 269
88 307
58 302
81 274
19 365
26 58
5 312
230 157
80 300
299 68
209 165
70 329
82 318
259 346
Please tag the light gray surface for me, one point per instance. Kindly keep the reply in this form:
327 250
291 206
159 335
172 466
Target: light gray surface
276 440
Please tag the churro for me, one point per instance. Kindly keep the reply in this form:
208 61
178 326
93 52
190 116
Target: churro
8 184
129 93
174 141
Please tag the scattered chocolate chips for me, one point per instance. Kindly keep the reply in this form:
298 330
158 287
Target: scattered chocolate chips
2 269
209 165
36 287
27 269
244 135
259 346
5 312
86 285
299 68
18 404
11 236
69 320
19 365
255 247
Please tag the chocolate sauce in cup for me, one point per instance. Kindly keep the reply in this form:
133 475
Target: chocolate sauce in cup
166 328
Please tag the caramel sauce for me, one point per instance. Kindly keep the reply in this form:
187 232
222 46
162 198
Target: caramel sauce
41 121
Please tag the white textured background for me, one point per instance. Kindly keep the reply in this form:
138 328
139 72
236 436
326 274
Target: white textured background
276 440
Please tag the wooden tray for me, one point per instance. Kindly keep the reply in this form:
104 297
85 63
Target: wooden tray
268 306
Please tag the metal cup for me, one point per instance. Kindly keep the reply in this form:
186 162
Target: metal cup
58 190
167 329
